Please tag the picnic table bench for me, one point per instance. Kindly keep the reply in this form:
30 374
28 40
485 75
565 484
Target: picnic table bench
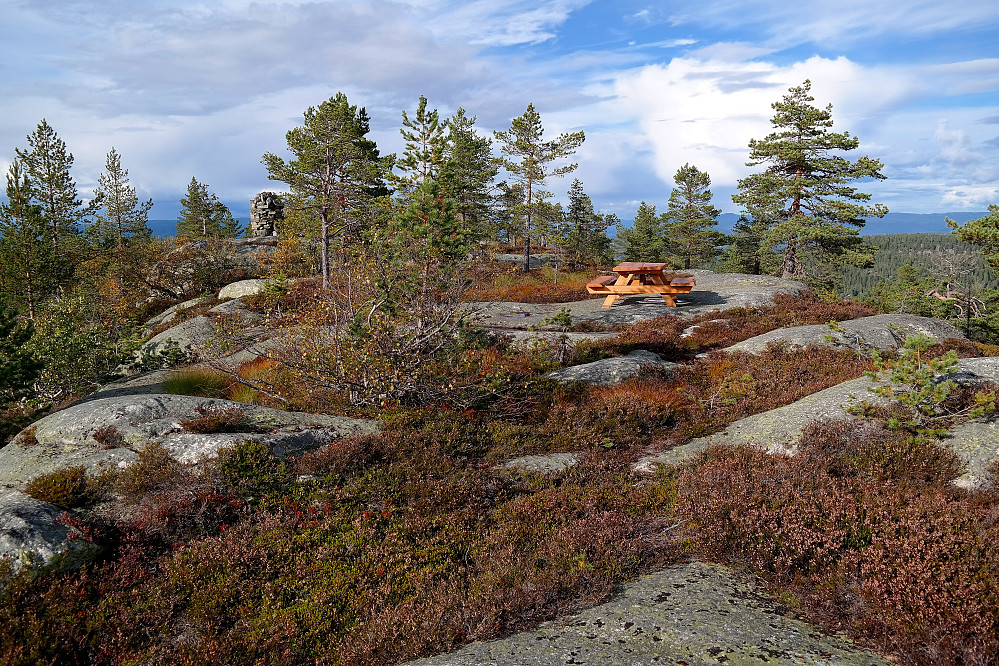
636 277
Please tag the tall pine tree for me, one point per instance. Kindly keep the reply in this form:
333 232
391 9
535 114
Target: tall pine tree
587 240
336 172
121 217
802 203
421 160
645 240
529 160
690 217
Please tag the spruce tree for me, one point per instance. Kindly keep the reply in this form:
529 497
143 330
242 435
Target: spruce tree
802 203
529 159
690 217
121 217
28 262
336 172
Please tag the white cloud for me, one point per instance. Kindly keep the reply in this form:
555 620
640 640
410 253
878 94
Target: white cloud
970 197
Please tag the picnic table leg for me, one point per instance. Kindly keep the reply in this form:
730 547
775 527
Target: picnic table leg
670 301
609 301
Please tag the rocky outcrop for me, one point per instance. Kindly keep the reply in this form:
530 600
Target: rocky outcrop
543 464
30 533
72 437
242 288
611 371
714 291
779 430
689 614
882 332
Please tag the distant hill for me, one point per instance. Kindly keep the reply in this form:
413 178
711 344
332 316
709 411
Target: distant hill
892 223
932 255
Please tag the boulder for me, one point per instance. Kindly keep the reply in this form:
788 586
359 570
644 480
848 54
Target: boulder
66 438
612 371
188 336
242 288
30 533
882 332
696 614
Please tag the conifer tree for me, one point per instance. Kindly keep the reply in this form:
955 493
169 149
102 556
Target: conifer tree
645 240
424 153
18 366
121 218
743 252
529 159
690 217
202 215
47 163
336 172
468 173
587 241
28 263
983 232
802 203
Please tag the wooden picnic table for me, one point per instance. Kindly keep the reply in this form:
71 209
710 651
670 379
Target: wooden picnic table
639 277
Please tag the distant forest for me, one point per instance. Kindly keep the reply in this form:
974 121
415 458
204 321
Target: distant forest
934 256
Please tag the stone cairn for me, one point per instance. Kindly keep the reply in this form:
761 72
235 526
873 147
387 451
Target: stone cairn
266 211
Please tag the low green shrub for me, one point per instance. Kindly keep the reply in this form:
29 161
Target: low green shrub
66 488
155 471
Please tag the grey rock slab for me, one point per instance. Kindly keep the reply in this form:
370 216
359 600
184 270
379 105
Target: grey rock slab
66 439
714 291
189 335
536 259
31 534
525 339
779 430
695 614
171 313
543 464
873 332
242 288
612 371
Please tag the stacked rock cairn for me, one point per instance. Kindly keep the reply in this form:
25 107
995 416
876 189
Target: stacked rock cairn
266 211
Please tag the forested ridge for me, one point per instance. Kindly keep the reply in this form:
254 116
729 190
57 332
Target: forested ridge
932 255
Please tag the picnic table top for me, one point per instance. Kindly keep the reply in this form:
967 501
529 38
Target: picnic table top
639 267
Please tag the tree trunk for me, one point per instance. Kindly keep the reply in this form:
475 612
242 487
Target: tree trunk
325 251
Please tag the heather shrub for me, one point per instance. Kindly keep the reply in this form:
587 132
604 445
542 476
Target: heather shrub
249 469
108 437
216 419
909 569
155 471
66 488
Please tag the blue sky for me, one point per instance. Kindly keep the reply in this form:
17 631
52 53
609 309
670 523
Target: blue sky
202 89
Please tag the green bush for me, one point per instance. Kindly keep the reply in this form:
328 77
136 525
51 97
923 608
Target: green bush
197 381
249 469
65 488
154 470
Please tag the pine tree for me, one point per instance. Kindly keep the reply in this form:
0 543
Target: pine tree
467 175
587 241
645 240
529 160
742 254
424 153
336 172
802 203
690 216
983 232
202 215
18 366
47 164
28 263
121 217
